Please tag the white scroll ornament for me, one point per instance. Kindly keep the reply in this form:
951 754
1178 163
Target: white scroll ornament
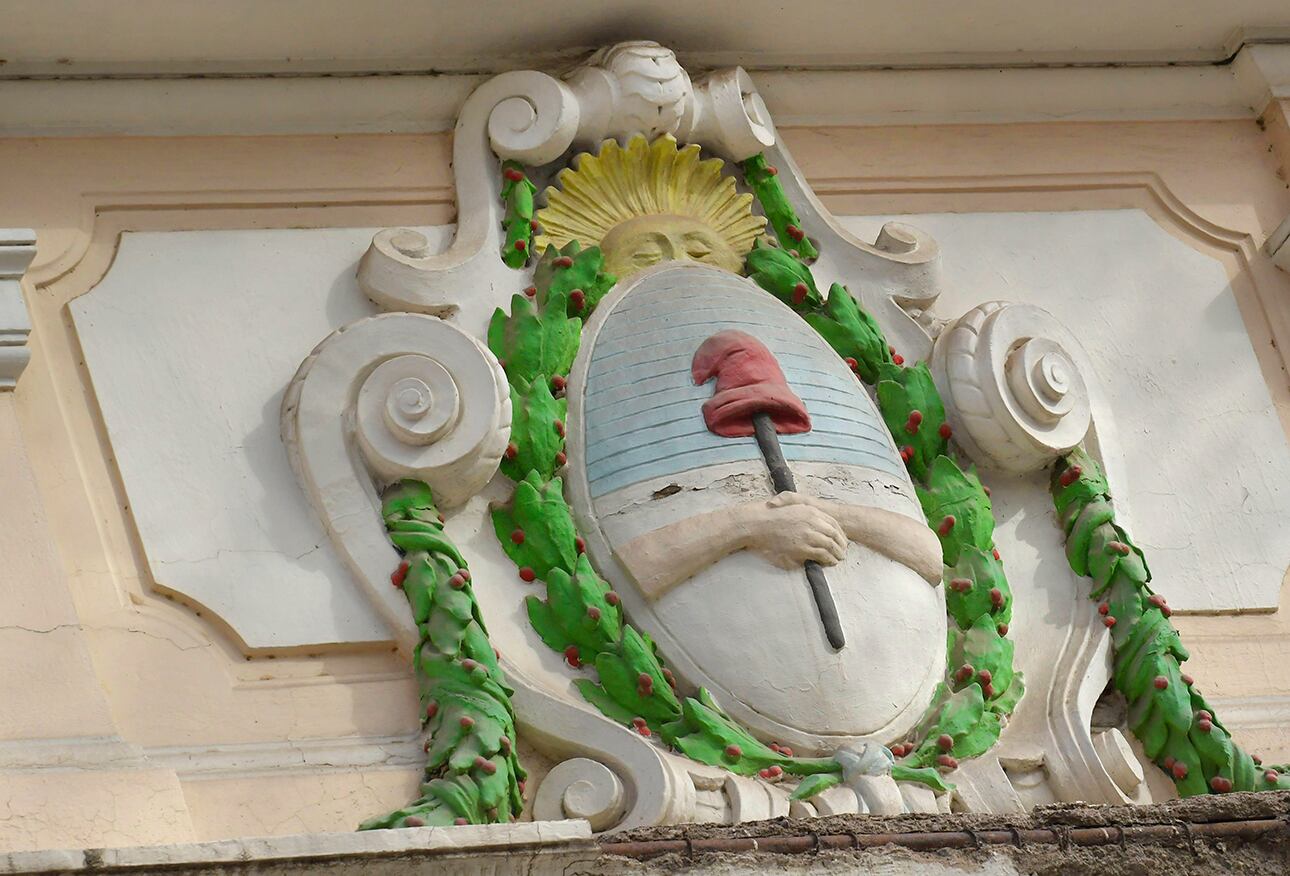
1011 378
390 397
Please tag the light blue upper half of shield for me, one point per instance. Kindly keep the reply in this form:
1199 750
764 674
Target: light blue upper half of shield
643 415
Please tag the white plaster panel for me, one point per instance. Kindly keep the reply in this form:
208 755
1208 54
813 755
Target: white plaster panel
1200 462
190 340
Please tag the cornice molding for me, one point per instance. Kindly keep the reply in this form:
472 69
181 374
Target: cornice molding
349 102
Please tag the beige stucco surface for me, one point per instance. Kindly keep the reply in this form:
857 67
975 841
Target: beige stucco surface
158 727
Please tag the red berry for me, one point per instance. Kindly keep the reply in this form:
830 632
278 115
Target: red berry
1070 476
521 245
578 299
1203 715
964 672
898 359
1204 725
996 597
487 766
460 821
948 762
987 691
772 170
464 573
800 291
765 774
1002 629
786 751
1104 609
985 676
985 490
558 383
733 752
571 656
1220 784
945 741
580 545
531 291
961 585
774 746
851 363
397 576
533 225
467 722
558 425
563 262
1271 777
432 709
613 598
945 432
643 730
512 450
513 174
527 575
996 554
638 721
669 678
1180 770
593 612
947 525
469 664
916 417
644 680
906 453
517 536
414 821
441 518
1160 682
1109 621
776 771
456 582
1258 761
796 233
561 458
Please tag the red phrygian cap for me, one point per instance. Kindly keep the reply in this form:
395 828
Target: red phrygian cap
749 381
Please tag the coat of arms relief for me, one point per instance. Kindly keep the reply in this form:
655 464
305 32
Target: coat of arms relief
661 468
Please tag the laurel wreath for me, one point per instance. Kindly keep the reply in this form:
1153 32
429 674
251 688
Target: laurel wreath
1178 729
472 774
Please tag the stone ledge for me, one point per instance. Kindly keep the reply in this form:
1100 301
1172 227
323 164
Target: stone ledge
549 846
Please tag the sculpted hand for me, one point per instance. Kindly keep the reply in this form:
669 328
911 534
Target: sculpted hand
789 530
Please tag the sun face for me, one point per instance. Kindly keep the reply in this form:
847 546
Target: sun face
650 203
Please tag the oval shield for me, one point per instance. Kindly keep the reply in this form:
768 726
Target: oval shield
645 469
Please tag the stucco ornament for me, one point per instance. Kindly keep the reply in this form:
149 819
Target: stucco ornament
691 452
1013 378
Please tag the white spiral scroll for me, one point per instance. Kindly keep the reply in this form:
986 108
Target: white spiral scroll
581 788
525 115
1012 378
384 398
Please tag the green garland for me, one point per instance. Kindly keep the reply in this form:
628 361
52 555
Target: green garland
763 179
517 193
472 773
1177 728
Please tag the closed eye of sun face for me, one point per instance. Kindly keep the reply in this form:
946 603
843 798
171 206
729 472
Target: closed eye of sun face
697 246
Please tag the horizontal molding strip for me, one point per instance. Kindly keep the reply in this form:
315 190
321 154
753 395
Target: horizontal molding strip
422 103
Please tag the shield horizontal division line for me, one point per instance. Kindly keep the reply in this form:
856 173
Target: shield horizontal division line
641 459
